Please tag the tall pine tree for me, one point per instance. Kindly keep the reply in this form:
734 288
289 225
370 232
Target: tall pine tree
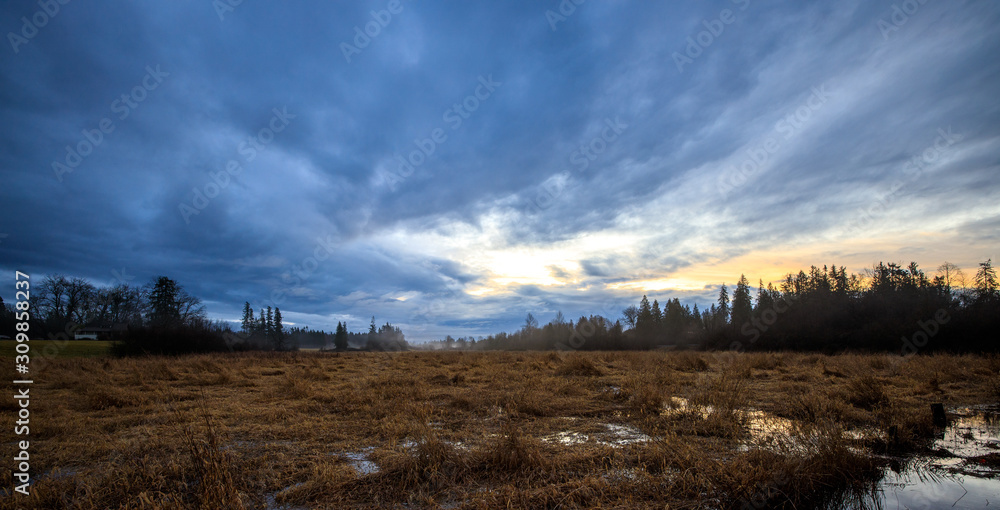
248 322
340 338
278 330
722 312
742 303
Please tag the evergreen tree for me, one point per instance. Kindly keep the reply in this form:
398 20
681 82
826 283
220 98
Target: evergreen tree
708 317
742 304
764 301
269 324
986 280
340 338
645 324
722 313
163 303
644 318
248 322
278 330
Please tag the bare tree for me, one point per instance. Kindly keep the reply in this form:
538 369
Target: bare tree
120 304
631 314
51 299
530 322
190 307
952 275
80 300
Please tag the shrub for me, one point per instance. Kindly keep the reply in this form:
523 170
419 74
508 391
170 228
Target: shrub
170 341
579 365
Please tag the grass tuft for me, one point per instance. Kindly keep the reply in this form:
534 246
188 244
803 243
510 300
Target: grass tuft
579 365
867 392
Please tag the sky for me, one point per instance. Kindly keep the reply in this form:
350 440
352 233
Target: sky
452 166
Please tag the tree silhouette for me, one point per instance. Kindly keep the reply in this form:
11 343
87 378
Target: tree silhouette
248 322
722 312
340 337
986 281
742 304
164 306
278 331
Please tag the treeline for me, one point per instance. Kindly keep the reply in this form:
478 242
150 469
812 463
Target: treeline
60 304
384 338
890 308
161 317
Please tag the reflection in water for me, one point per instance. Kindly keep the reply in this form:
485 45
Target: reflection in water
958 477
361 462
924 487
615 435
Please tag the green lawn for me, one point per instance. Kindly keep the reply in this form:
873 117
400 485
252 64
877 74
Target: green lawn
58 348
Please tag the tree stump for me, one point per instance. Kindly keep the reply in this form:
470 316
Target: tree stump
938 415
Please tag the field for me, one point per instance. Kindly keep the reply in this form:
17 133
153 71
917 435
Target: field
59 348
483 430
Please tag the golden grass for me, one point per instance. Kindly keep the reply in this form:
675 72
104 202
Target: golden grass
478 430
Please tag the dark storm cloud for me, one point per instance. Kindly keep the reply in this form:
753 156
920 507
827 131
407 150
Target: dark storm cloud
318 214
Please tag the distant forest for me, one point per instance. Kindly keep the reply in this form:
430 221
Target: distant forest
891 308
161 317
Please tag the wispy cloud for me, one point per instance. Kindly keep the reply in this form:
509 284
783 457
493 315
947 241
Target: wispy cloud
591 173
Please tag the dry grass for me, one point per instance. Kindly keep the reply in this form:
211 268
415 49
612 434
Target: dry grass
479 430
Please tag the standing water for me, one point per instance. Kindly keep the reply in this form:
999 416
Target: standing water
964 472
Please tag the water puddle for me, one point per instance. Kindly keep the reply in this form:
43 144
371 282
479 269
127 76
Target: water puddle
974 432
612 389
361 461
615 435
765 430
621 435
965 472
918 488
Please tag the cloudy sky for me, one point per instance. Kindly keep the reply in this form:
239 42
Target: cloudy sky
452 166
